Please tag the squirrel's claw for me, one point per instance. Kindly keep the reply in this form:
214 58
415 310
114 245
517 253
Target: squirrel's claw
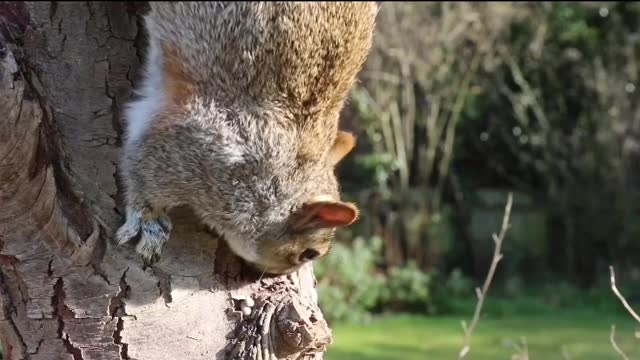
152 235
129 231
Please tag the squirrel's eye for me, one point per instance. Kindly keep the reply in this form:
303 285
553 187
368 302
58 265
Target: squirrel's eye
308 255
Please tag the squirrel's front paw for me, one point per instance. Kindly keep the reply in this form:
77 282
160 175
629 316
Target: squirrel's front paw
152 234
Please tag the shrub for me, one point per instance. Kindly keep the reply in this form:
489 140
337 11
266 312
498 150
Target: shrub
408 288
349 287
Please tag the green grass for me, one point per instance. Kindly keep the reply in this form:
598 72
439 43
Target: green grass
585 334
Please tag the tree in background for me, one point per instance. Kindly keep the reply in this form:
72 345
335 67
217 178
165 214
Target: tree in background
536 98
558 117
426 64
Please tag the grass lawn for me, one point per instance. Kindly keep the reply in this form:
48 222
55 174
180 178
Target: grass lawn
406 337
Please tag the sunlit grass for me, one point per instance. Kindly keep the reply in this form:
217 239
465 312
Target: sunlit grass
585 336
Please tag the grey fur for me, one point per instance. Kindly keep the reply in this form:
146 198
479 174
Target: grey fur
246 141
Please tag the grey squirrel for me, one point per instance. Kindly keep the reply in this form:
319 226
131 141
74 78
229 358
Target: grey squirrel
238 118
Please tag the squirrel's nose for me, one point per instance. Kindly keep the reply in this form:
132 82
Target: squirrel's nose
308 255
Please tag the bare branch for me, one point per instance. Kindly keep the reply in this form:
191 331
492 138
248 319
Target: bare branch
615 345
497 256
619 295
522 353
626 306
525 351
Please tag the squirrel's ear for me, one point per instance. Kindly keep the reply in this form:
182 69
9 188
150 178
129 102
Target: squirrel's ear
324 213
345 142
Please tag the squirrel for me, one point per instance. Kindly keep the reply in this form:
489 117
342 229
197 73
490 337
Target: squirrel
237 117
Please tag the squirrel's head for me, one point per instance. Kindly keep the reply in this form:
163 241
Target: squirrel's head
278 228
307 235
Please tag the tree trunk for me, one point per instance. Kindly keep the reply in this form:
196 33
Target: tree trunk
66 292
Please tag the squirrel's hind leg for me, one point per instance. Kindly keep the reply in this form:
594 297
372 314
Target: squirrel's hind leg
151 232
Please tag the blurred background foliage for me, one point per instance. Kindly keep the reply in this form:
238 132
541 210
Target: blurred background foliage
461 103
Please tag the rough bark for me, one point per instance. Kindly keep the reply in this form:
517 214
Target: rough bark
66 69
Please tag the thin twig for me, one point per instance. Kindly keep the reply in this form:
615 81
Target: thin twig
482 294
522 353
615 345
626 306
525 351
619 295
